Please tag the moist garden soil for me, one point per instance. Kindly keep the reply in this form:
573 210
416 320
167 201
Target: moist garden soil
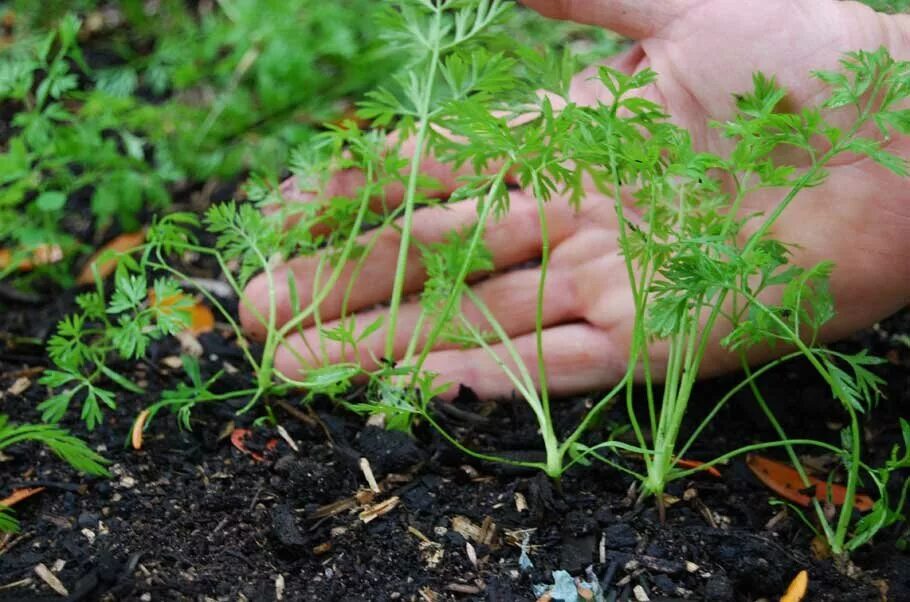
191 516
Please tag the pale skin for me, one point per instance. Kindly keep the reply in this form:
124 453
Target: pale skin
703 50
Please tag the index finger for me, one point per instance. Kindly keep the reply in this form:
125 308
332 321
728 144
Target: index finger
636 19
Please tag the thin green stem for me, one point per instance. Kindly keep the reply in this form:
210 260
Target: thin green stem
410 197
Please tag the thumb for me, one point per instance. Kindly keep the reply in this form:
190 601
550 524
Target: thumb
634 19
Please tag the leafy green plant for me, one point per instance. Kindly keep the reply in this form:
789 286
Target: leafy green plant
106 144
695 261
56 151
71 449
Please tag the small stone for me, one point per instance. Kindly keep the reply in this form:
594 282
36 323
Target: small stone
88 520
89 535
284 527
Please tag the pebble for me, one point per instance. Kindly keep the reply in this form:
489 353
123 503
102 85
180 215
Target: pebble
620 536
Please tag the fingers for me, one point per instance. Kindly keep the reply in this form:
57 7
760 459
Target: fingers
634 19
511 297
512 240
579 358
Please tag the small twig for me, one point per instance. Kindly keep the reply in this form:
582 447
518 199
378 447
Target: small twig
220 525
367 471
7 547
256 496
299 415
20 583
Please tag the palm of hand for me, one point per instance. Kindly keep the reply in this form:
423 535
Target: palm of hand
703 51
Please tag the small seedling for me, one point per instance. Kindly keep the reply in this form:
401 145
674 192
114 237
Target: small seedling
696 261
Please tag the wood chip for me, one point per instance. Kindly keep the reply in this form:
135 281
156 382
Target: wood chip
472 553
51 579
484 533
19 386
465 527
279 587
431 553
428 595
521 504
189 344
173 362
373 512
463 588
367 471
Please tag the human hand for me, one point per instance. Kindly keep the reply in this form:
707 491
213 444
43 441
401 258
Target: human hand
703 51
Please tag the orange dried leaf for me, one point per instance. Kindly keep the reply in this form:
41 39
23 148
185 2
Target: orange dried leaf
121 244
711 470
20 494
40 255
202 319
785 482
798 588
138 426
238 436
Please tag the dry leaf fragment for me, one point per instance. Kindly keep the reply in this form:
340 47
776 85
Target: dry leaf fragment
786 482
798 588
40 255
138 426
51 579
238 436
20 494
711 470
106 259
202 319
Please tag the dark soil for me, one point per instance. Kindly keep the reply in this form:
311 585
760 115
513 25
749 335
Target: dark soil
191 517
